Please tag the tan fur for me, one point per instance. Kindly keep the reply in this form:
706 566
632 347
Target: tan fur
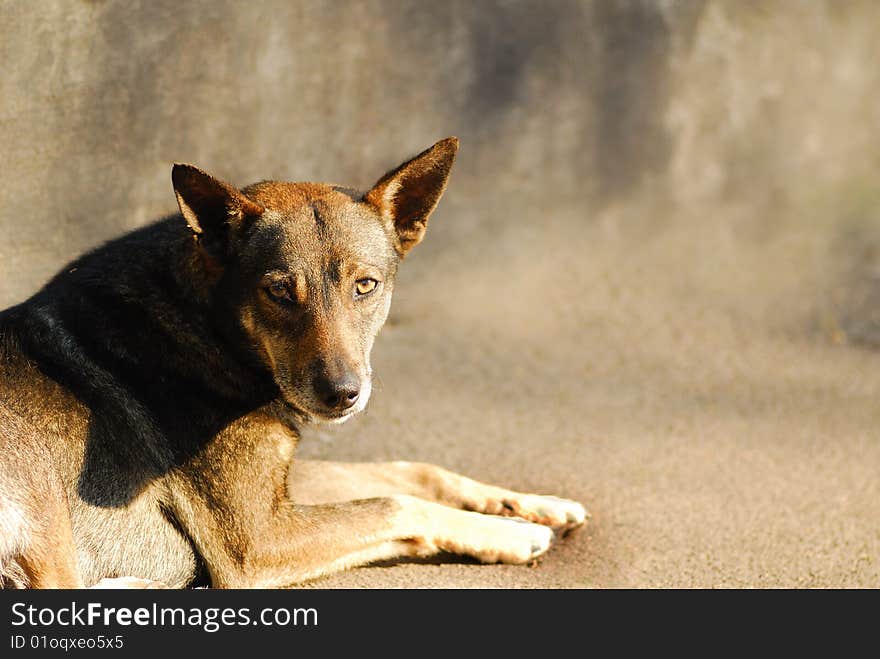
236 501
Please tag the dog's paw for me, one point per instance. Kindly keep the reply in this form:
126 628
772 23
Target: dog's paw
494 539
557 513
128 582
537 537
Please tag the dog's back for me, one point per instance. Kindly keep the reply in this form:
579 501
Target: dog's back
81 454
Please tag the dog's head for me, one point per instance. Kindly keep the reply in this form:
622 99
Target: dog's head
305 271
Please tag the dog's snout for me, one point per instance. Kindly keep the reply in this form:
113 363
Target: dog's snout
338 393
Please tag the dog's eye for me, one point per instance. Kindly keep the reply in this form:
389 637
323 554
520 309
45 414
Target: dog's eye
278 290
365 286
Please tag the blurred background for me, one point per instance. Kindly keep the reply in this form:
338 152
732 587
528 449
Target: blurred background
653 284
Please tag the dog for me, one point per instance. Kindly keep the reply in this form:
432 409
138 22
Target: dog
153 392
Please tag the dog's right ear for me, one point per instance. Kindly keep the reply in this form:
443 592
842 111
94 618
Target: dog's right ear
211 207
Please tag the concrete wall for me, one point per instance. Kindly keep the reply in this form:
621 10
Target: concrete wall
750 115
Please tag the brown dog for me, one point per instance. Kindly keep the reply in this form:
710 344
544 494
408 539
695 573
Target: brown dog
150 396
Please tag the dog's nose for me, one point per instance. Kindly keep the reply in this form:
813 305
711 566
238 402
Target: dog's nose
339 394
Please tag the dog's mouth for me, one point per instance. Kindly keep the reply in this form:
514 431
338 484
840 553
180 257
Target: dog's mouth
314 414
304 415
313 417
337 418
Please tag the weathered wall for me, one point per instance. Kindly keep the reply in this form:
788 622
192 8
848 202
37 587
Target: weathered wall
748 115
640 291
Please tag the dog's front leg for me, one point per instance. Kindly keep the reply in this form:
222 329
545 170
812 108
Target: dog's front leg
304 542
314 481
232 501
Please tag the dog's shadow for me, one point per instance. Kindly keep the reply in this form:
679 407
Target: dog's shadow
443 558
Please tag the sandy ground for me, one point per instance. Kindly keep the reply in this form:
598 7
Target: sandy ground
697 371
674 379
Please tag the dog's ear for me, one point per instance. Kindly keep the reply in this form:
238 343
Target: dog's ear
211 207
407 195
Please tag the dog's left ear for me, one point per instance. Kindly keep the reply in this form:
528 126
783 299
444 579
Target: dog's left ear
406 196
